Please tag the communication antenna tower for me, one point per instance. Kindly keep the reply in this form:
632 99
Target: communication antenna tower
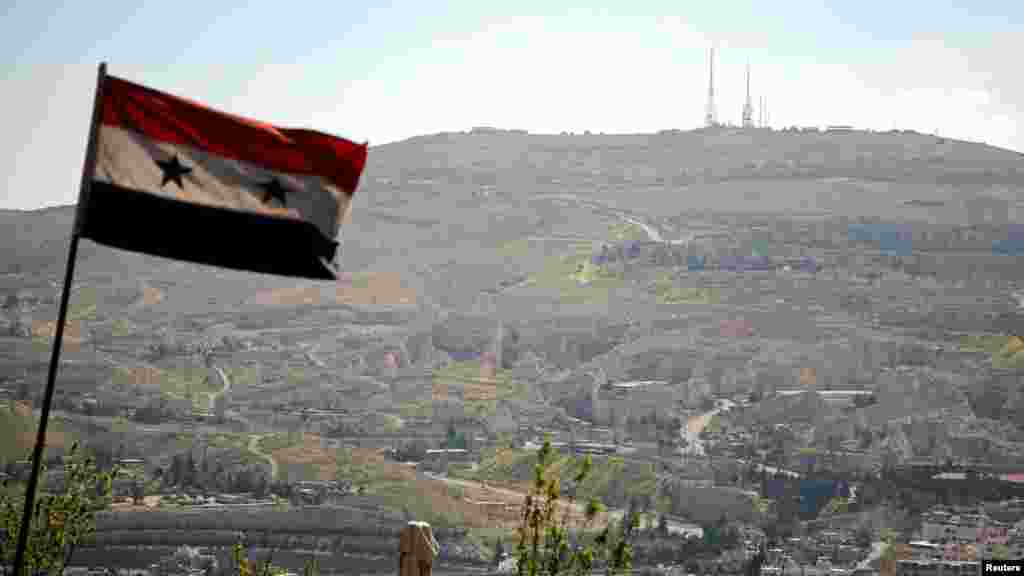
748 108
710 119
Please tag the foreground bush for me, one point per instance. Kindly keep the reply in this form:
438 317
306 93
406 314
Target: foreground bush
61 519
547 546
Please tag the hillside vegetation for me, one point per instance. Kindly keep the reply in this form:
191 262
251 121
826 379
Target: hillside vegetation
19 428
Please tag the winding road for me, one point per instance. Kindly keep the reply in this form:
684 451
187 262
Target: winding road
653 233
254 439
225 386
254 447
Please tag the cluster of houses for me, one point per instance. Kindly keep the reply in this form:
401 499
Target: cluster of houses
953 542
949 534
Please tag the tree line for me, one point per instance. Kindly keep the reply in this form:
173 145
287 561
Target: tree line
188 472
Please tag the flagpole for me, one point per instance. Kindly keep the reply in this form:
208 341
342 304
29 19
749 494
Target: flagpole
37 455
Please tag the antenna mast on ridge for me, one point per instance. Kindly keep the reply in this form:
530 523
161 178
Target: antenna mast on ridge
748 108
709 117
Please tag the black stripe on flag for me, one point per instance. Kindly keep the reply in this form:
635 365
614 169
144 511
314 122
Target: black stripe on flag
140 222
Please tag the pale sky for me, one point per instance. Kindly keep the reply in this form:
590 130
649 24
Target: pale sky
368 71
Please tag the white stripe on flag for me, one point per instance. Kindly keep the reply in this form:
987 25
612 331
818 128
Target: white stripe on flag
129 159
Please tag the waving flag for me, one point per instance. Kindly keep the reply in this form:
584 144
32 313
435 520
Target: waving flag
173 178
176 179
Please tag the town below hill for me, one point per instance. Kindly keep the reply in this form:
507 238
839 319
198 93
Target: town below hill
800 342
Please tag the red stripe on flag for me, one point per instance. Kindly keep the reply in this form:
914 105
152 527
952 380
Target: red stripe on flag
179 121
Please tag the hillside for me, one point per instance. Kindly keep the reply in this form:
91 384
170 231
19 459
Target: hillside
419 186
605 259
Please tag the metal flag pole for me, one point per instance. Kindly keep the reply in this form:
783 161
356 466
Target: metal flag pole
37 455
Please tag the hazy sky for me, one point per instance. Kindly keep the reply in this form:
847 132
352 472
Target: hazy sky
384 73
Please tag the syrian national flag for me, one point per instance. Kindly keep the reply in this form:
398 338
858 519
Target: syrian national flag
176 179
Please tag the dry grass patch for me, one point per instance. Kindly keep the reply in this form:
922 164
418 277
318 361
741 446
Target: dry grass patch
416 409
400 488
19 425
519 248
148 503
696 424
466 377
479 391
308 457
82 306
187 381
298 295
140 375
151 296
370 288
576 279
439 391
1005 351
442 504
44 331
121 328
627 231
